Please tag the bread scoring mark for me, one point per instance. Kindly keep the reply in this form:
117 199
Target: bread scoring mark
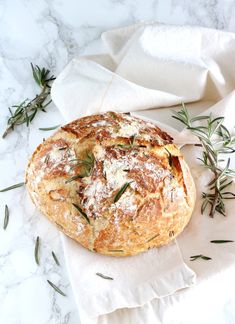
53 161
148 176
148 212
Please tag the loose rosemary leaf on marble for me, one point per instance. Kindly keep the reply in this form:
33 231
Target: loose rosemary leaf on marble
6 218
49 128
103 276
36 250
216 141
57 289
55 258
221 241
25 111
17 185
199 256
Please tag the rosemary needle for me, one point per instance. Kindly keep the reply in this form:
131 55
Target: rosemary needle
103 276
199 256
57 289
82 212
36 250
6 218
121 191
55 258
48 128
169 157
13 187
152 238
221 241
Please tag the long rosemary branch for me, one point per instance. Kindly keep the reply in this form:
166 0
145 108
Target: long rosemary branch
27 109
216 141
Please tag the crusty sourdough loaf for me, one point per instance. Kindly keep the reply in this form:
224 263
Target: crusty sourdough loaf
114 183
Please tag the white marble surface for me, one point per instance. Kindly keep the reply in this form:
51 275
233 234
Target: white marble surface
49 33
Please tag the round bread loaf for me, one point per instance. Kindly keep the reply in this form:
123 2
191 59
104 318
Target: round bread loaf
114 183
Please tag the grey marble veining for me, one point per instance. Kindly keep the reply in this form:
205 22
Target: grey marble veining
50 33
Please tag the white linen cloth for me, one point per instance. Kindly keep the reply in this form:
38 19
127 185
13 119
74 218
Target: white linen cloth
150 66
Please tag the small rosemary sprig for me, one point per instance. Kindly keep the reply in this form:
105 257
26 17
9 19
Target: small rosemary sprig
27 109
216 141
87 165
199 256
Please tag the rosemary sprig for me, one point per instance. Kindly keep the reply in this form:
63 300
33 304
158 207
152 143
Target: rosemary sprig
55 258
221 241
57 289
6 218
13 187
27 109
48 128
87 165
82 213
199 256
103 276
36 250
215 140
116 251
121 191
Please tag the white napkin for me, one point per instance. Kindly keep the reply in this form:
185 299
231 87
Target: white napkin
147 66
136 280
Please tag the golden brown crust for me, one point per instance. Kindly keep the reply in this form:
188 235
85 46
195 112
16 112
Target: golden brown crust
108 151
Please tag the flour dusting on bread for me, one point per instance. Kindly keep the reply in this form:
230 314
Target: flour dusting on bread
114 183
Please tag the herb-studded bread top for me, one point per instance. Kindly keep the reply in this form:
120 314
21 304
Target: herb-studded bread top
114 183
